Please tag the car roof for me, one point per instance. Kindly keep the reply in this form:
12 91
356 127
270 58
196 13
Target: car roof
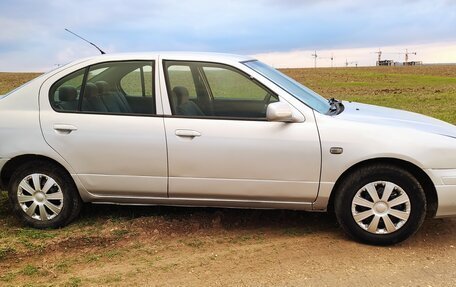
164 55
190 56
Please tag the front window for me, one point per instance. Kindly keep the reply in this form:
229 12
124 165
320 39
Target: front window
199 89
304 94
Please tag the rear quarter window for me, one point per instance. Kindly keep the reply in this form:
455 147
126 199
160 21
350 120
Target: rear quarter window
65 93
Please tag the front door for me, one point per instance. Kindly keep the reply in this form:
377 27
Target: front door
220 145
102 121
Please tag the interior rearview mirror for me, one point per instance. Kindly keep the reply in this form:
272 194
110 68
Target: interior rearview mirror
282 112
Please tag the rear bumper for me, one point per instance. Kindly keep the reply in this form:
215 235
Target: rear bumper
3 161
445 185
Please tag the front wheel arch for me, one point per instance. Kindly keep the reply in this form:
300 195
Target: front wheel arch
425 181
380 204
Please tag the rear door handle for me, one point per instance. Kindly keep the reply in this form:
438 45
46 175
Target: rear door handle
64 129
187 133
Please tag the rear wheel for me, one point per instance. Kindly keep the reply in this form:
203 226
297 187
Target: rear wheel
43 196
380 204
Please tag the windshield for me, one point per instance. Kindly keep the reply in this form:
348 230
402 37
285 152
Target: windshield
304 94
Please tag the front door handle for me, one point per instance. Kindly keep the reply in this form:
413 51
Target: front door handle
187 133
64 129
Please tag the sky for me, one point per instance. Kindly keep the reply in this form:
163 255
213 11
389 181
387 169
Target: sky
283 33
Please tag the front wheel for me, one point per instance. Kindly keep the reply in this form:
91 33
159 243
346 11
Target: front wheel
380 204
43 196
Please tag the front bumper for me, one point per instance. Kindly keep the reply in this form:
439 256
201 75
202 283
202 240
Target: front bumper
445 185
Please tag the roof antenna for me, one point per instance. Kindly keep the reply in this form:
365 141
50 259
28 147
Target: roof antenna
101 51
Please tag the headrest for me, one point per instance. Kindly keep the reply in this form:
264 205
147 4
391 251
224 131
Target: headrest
102 86
181 94
67 93
90 90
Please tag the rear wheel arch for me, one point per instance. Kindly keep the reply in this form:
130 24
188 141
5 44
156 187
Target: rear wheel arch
424 180
16 162
42 193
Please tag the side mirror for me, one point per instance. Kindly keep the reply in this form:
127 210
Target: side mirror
282 112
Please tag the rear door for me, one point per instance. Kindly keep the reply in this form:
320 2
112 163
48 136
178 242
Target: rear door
102 121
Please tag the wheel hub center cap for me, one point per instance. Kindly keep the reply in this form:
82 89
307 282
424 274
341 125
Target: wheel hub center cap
380 207
40 197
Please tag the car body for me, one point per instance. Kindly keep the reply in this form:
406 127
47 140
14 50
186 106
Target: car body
209 129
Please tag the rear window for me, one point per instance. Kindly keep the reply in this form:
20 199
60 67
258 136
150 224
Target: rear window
118 88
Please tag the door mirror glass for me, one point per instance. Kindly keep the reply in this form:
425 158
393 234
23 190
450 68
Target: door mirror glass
282 112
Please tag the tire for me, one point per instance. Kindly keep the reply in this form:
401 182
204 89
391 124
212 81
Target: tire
55 203
395 215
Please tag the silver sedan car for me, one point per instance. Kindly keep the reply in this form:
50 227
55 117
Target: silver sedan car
218 130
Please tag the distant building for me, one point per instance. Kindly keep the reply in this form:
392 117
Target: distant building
413 63
385 63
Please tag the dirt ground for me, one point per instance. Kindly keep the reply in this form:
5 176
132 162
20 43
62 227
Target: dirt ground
167 246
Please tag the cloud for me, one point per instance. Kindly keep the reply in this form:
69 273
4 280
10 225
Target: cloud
247 27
